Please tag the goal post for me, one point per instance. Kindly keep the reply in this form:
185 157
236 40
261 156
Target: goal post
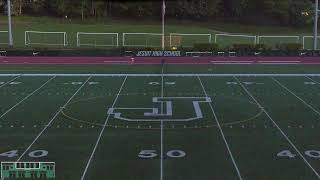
225 40
275 40
4 37
46 38
188 40
97 39
307 42
142 40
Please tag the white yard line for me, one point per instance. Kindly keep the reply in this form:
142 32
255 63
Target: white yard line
304 102
25 98
278 127
9 81
161 133
101 132
165 75
221 132
161 152
53 118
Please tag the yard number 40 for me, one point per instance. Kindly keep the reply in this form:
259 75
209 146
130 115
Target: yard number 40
33 154
311 153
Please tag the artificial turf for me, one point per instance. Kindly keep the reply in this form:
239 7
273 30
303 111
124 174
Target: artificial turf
253 128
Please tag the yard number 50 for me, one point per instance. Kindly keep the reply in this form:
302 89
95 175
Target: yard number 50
149 154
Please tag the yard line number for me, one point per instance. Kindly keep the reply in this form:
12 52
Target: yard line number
149 154
80 83
33 154
11 83
288 154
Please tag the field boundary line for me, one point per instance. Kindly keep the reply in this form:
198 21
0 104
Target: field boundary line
221 131
278 127
52 119
25 98
165 75
101 132
10 81
304 102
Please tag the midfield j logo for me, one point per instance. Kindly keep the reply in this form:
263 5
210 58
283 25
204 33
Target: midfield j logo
164 109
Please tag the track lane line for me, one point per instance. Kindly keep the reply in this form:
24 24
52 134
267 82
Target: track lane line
25 98
221 131
278 127
52 119
291 92
101 132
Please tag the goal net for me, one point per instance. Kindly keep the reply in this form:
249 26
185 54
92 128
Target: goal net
307 42
227 40
188 40
273 41
4 37
142 39
97 39
46 38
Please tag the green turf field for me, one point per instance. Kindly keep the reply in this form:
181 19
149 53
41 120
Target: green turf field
170 122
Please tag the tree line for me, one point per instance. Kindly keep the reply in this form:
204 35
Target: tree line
280 12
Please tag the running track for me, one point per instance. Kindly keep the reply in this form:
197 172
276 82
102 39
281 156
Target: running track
159 60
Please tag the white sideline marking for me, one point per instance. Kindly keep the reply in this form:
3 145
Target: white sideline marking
54 117
304 102
221 131
9 81
116 61
275 124
25 98
279 61
232 61
101 132
166 75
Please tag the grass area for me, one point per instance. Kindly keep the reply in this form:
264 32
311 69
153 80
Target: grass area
22 24
139 127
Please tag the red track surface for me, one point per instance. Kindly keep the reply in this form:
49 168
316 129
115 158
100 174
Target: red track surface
158 60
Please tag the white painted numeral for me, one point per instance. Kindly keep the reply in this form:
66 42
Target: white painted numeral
286 153
33 154
158 83
10 154
310 83
313 153
93 83
176 154
147 154
38 153
170 83
14 83
154 83
76 83
231 83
